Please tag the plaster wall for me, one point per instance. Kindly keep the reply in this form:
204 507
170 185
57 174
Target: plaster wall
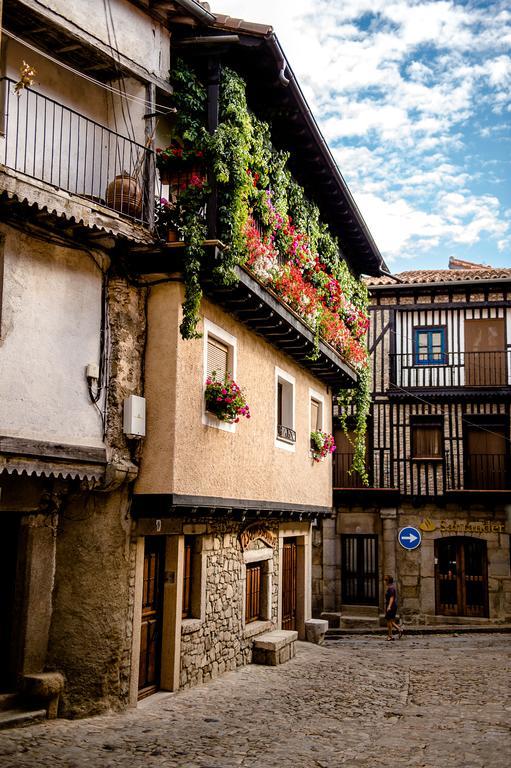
91 628
184 456
128 29
50 330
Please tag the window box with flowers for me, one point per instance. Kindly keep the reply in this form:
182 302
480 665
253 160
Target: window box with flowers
322 444
225 399
178 164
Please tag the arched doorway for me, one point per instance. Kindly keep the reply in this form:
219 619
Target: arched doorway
461 577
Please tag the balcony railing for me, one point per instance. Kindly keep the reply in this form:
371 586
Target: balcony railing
52 143
286 433
454 369
485 471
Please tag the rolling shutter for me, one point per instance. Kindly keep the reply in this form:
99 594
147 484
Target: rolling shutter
218 356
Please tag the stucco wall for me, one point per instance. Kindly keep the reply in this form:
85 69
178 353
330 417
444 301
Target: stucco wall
90 635
182 455
129 29
50 330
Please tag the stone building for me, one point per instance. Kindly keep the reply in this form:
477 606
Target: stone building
134 563
438 452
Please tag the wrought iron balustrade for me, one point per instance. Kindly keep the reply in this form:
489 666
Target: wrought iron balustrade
286 433
50 142
453 369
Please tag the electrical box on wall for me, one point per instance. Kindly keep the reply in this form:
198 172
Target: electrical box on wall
134 416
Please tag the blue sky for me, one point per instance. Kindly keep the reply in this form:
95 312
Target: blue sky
413 97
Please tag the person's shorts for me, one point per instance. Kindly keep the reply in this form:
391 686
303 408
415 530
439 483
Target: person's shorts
390 614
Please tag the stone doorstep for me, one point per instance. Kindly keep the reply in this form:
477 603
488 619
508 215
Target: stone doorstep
274 641
274 648
425 629
14 718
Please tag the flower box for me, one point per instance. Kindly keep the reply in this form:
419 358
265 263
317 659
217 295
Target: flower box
225 400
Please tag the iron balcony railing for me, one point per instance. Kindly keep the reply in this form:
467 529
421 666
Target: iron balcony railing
452 369
55 144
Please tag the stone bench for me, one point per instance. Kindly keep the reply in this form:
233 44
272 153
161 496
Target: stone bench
274 648
44 689
315 630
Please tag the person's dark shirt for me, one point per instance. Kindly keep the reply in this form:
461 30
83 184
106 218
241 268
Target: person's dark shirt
391 592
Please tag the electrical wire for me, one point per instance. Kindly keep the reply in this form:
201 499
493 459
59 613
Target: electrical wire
98 83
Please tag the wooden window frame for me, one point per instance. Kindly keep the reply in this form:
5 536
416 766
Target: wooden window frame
431 422
253 599
430 330
188 574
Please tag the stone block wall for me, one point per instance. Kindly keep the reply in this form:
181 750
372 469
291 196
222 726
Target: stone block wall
221 642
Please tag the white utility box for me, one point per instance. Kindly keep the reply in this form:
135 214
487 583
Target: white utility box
134 416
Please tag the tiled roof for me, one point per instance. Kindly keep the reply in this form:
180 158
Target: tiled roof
441 276
232 23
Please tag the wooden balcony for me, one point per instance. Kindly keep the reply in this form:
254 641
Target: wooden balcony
464 371
485 471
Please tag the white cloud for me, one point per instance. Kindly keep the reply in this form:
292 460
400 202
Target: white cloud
398 88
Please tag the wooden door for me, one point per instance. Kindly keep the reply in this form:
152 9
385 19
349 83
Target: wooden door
461 577
359 569
289 574
8 561
485 356
152 614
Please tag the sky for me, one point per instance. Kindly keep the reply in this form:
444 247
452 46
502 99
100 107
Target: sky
413 98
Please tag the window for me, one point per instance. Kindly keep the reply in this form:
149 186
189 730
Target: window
187 578
285 410
429 346
253 592
427 439
220 357
193 611
316 411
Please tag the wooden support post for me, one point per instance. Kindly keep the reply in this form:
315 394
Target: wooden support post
149 164
214 73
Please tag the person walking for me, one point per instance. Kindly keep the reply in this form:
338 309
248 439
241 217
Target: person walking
391 608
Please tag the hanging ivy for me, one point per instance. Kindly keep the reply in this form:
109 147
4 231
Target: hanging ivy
265 218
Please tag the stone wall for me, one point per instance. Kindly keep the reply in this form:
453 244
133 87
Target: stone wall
220 642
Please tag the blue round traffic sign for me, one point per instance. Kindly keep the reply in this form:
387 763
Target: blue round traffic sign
409 537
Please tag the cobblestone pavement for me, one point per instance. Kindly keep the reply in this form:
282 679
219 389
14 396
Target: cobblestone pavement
432 701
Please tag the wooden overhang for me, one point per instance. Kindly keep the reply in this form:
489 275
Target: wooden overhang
274 94
253 304
164 505
51 33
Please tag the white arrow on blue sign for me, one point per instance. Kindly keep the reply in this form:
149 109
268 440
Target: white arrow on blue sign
409 537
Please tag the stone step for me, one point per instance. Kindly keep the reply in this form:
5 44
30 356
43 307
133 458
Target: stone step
8 701
360 622
360 610
14 718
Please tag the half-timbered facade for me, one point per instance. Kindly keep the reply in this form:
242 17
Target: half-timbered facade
438 455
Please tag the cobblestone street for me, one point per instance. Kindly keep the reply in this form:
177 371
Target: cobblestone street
435 701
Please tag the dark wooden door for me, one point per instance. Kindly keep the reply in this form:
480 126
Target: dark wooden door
359 569
461 577
289 584
152 614
485 358
8 561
